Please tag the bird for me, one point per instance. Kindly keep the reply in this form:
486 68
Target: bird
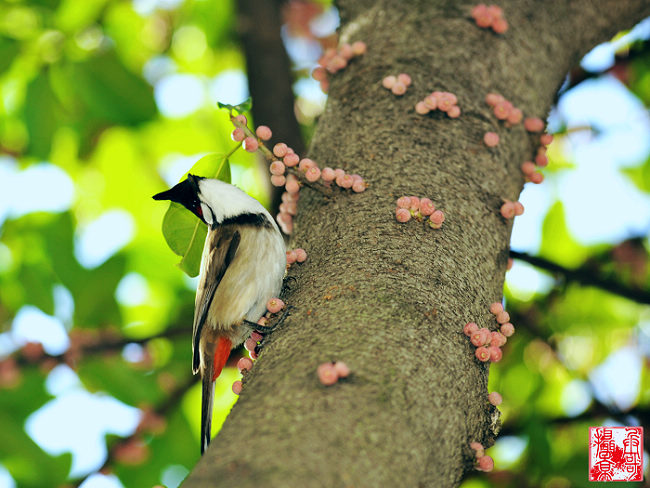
242 267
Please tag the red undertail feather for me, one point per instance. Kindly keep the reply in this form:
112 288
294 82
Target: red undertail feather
221 353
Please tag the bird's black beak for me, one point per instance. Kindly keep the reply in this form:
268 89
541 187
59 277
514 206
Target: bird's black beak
183 192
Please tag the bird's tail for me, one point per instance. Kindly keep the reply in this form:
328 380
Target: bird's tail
212 369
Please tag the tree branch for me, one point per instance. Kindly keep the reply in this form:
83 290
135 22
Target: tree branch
585 276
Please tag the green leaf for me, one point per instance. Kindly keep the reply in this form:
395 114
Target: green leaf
110 92
8 50
42 115
183 231
245 106
640 176
557 243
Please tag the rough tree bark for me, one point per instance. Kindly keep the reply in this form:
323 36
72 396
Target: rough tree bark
389 299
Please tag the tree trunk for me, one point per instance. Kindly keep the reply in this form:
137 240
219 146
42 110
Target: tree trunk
391 299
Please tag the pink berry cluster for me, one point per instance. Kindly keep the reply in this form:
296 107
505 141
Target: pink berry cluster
289 170
488 343
504 109
510 210
439 100
335 59
490 17
330 372
298 255
529 168
485 462
419 209
250 143
397 84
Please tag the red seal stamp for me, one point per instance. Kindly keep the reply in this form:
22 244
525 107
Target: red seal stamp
615 453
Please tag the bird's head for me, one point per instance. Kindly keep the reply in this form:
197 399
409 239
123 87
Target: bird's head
187 193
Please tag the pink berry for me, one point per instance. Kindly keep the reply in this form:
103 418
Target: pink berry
389 82
541 160
292 186
256 336
319 73
503 317
478 447
430 102
274 305
280 149
481 337
328 174
444 103
528 168
404 78
421 108
495 11
495 353
495 308
327 374
491 139
454 112
546 139
509 265
277 168
305 164
278 180
335 64
437 217
484 20
324 85
536 178
312 174
237 134
359 186
244 364
495 398
508 210
402 215
515 116
339 172
485 463
499 26
291 159
291 257
398 88
534 124
253 355
507 329
426 207
478 10
482 354
251 144
345 181
404 202
470 328
345 50
237 386
301 255
341 369
241 118
263 132
497 339
493 99
502 110
519 208
359 48
250 344
415 204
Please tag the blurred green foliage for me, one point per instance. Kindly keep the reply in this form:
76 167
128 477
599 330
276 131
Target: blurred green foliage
73 92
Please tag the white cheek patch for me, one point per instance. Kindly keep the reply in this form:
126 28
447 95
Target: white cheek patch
207 214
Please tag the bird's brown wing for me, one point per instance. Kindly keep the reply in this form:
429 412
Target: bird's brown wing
222 245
